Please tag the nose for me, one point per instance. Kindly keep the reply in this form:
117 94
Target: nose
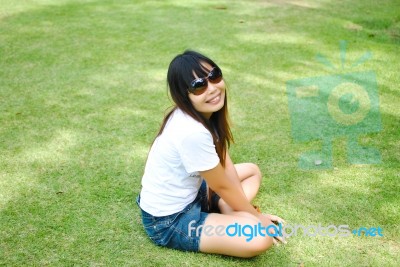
211 87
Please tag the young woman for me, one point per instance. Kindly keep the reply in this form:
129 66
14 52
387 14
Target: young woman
193 197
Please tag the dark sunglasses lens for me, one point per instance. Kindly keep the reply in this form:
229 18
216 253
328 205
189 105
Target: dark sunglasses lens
215 75
197 86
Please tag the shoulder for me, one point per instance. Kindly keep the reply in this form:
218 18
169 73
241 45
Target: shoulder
183 124
185 132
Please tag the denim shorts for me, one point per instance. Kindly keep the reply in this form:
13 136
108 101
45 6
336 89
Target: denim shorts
173 230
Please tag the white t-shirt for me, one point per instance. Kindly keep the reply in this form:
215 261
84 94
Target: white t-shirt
171 180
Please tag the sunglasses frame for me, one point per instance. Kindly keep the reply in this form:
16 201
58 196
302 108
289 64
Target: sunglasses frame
198 86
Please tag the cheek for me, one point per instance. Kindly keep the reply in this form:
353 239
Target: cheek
221 86
195 100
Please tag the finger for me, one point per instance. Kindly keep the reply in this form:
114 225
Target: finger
282 220
277 219
277 222
279 239
276 236
282 240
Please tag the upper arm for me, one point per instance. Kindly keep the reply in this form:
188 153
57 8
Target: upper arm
197 152
228 160
228 189
216 177
230 168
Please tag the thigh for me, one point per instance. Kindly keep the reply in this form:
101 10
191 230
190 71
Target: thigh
175 230
224 234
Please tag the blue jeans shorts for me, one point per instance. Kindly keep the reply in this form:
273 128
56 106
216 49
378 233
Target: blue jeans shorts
173 230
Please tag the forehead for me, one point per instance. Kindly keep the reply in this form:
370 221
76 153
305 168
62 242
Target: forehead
206 66
204 69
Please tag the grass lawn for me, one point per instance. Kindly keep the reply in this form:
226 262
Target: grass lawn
83 92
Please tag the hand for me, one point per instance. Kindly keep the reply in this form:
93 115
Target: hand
275 219
268 219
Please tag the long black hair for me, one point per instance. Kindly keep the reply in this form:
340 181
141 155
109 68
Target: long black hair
180 73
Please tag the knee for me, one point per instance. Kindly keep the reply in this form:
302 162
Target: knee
258 246
256 171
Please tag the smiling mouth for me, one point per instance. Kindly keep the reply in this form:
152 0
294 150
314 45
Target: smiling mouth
214 100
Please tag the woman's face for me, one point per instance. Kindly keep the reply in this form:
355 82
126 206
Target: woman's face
213 98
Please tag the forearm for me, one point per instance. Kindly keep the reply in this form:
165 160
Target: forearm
230 192
234 180
234 196
232 174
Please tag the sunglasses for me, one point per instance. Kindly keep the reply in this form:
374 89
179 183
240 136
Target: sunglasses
198 86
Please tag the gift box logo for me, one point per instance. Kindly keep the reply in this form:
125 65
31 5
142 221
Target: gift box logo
326 107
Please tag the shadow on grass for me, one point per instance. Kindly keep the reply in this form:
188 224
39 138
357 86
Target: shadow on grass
84 85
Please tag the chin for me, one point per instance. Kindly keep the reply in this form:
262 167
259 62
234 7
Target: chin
217 108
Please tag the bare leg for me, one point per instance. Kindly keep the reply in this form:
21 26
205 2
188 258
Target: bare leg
233 245
250 178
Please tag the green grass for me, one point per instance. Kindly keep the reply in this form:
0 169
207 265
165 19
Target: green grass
83 92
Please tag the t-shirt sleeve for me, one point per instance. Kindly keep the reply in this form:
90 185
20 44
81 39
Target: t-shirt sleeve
198 152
